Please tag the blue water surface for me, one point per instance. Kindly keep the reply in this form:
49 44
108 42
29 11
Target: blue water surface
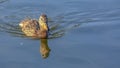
91 36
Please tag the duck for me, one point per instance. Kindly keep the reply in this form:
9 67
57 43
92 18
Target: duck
35 28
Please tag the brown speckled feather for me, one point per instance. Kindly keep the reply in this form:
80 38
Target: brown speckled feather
30 27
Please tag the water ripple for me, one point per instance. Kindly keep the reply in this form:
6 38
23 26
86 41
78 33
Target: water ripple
14 30
61 23
89 16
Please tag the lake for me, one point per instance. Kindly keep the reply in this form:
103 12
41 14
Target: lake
84 34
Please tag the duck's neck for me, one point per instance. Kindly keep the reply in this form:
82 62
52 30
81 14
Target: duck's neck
43 26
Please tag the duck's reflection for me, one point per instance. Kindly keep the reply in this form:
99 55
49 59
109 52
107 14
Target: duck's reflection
44 48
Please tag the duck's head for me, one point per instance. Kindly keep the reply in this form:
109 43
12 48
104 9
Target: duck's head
43 22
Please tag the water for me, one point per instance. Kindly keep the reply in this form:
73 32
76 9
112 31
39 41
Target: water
85 34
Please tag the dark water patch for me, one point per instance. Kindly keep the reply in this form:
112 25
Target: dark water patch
2 1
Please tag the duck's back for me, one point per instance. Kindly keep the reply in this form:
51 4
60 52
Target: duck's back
30 27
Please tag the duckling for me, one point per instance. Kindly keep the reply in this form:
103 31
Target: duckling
34 28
